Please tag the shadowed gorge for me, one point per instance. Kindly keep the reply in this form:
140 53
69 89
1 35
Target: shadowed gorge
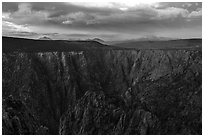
105 90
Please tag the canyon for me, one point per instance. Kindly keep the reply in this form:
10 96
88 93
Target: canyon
102 91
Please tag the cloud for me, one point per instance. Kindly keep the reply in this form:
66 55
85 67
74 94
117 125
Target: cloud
140 14
128 21
67 22
196 14
114 5
24 8
106 19
14 27
5 16
25 15
76 17
171 13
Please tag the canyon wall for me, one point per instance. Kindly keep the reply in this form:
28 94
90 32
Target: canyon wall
105 91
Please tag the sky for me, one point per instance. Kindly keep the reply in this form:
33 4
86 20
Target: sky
105 20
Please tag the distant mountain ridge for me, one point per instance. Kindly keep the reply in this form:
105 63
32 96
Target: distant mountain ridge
161 44
44 38
154 38
33 45
145 38
99 40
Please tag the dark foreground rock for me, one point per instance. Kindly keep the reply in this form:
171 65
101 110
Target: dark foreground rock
17 119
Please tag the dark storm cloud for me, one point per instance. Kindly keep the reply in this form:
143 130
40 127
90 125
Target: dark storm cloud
131 20
9 6
56 9
115 19
190 6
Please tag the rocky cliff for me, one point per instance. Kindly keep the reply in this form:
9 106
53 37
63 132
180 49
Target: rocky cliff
108 91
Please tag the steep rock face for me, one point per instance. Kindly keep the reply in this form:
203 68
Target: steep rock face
94 113
165 83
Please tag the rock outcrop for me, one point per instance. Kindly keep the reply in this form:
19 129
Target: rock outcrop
17 119
95 114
